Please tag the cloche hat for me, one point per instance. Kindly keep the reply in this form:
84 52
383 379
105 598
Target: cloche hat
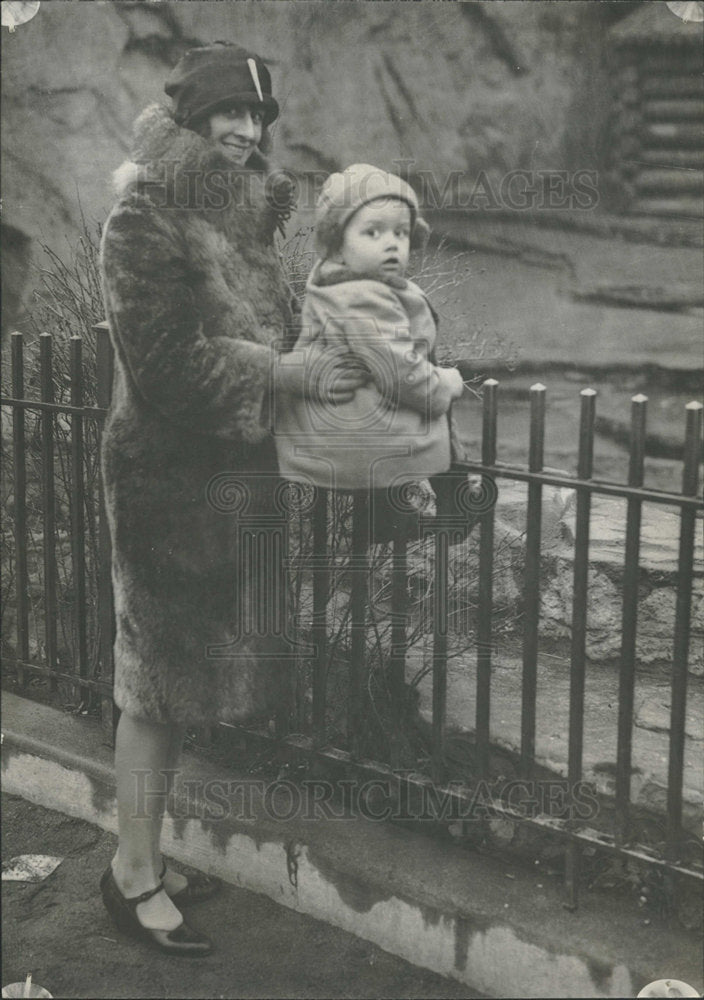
213 75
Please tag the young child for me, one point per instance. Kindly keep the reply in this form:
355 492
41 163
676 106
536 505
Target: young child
396 429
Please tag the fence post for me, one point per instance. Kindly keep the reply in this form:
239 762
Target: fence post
321 589
440 642
683 609
399 625
18 448
579 625
106 626
531 582
78 529
359 602
629 621
486 586
49 505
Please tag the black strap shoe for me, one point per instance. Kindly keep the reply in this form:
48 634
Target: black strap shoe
183 940
198 888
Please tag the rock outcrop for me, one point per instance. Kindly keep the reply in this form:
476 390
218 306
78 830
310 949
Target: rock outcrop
448 89
659 542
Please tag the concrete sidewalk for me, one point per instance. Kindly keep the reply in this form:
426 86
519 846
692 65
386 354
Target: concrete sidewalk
487 922
59 931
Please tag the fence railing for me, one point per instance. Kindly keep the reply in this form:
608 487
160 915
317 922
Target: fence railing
61 504
66 592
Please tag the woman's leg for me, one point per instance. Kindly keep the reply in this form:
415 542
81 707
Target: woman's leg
173 881
144 751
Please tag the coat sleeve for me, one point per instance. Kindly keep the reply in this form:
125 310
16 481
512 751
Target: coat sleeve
377 330
458 452
209 385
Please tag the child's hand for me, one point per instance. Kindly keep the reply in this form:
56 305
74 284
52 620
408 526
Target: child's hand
457 384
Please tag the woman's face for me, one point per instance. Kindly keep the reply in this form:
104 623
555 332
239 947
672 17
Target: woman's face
236 130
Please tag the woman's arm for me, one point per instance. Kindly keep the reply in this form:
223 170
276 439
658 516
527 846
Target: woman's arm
377 330
323 375
211 385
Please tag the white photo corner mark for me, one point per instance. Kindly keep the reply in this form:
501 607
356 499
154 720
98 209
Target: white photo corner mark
16 12
687 10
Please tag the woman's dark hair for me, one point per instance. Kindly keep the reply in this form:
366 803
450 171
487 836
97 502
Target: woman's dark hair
201 125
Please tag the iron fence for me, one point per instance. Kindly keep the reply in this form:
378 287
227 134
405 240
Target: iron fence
34 503
90 671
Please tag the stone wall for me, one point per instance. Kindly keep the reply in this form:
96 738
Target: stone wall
658 577
451 87
657 584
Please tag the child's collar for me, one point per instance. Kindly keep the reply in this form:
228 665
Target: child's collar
329 272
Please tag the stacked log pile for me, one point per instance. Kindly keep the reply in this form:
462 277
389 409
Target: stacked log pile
657 131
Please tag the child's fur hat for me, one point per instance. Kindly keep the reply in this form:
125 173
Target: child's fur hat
345 193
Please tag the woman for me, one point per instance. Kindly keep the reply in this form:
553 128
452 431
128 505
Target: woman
196 302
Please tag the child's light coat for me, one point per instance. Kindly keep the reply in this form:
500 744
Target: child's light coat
395 428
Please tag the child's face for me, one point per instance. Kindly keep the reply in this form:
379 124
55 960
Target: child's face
377 238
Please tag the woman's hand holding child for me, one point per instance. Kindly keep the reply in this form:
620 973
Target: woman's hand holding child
325 375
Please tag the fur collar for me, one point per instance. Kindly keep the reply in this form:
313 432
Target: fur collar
162 152
328 272
179 169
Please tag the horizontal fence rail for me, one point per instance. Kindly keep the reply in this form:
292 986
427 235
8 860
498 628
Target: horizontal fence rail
355 640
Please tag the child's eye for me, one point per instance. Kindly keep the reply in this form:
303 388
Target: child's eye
257 117
371 231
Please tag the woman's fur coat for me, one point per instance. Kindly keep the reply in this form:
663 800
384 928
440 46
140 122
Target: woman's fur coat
196 301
